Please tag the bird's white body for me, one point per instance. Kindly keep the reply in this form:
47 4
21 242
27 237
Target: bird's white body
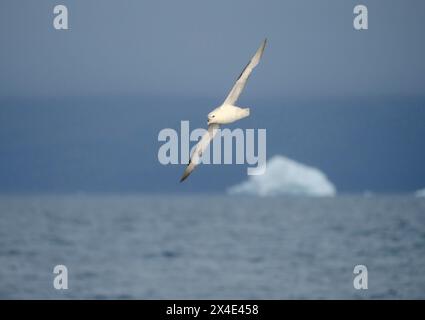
226 113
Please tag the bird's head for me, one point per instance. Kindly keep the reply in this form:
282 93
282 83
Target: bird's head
211 118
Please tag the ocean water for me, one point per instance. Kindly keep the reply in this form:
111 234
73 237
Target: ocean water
218 247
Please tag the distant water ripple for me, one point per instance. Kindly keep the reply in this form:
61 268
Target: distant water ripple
130 247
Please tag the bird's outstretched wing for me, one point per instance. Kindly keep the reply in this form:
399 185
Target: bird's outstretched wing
199 150
243 77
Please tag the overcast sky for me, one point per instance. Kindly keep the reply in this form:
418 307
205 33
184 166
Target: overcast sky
192 47
81 109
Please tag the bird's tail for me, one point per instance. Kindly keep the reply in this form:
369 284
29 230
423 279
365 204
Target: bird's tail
243 112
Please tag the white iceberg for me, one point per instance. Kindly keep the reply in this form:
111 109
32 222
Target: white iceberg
284 176
420 193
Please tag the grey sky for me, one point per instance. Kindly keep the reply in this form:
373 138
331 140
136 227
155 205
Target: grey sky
198 48
81 109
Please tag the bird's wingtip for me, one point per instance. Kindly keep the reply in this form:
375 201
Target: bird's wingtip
186 173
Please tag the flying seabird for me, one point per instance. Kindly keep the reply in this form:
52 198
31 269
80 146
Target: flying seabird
226 113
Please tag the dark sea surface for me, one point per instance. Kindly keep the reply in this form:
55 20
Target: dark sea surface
211 246
110 144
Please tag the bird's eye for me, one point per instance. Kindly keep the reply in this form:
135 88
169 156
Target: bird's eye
212 116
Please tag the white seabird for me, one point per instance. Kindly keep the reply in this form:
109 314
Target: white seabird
226 113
